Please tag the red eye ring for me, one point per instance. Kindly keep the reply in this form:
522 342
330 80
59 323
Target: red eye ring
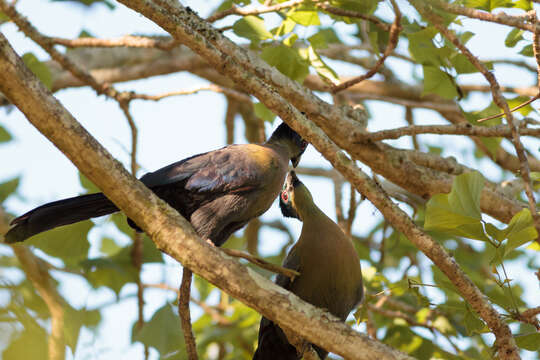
284 196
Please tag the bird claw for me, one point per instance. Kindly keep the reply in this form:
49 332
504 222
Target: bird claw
210 242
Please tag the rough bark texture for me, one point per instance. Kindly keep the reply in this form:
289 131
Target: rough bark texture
326 124
172 233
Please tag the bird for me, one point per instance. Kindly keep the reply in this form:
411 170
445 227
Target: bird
218 191
330 274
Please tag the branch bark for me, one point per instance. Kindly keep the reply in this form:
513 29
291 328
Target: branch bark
290 101
171 232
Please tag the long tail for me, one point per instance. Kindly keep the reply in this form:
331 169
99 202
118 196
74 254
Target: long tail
273 344
58 213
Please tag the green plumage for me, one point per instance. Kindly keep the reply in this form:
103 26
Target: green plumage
330 274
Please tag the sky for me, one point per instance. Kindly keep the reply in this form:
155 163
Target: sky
170 130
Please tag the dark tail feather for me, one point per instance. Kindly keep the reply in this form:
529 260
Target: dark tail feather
58 213
273 344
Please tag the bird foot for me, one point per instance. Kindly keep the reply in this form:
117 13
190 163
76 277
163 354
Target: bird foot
209 242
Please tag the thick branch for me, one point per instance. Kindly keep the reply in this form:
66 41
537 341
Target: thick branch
172 233
210 44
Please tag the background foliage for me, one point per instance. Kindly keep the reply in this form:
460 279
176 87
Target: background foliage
410 304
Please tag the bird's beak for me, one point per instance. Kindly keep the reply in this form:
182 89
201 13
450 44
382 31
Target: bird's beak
295 160
292 180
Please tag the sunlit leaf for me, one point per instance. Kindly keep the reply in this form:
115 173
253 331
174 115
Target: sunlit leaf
252 28
459 211
5 136
40 69
8 187
287 61
520 230
263 112
304 17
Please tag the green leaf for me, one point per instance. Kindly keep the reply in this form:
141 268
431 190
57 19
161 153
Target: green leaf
513 37
529 342
113 271
30 344
252 28
39 69
74 320
321 67
284 28
527 51
524 4
3 18
520 230
90 2
287 60
438 82
518 100
488 5
163 332
462 64
473 324
89 186
5 136
263 112
422 48
8 187
304 17
109 247
323 37
69 243
458 212
442 324
364 6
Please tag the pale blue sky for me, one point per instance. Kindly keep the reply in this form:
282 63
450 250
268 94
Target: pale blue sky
171 130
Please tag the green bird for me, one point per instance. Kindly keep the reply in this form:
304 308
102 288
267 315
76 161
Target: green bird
218 191
330 275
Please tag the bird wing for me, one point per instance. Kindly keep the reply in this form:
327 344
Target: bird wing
229 169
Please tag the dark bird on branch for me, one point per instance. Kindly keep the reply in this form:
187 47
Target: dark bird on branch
218 191
330 275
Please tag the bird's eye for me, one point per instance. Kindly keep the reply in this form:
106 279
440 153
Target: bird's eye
284 196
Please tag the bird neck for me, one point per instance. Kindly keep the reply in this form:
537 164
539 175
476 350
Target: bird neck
306 208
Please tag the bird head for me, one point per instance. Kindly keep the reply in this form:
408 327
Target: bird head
291 140
294 197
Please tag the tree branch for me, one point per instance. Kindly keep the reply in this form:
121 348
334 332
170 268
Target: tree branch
256 76
172 233
184 294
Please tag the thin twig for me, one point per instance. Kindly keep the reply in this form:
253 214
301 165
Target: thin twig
123 41
234 10
512 110
185 315
518 21
261 263
237 95
459 129
392 43
353 14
